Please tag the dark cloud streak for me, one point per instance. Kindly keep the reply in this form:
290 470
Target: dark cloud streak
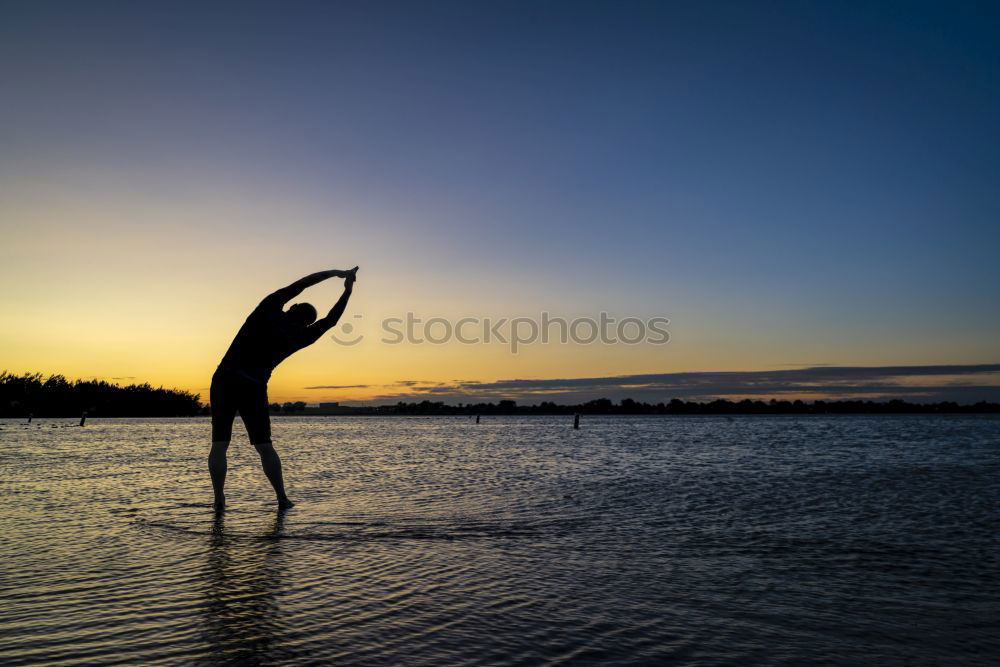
929 383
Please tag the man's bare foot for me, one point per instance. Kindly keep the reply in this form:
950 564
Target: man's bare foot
285 503
219 504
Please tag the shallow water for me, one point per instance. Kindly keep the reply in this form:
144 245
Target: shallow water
703 540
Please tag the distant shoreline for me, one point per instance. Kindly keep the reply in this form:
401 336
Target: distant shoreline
31 394
38 421
606 407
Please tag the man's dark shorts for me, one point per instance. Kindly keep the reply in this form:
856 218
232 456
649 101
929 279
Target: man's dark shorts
234 392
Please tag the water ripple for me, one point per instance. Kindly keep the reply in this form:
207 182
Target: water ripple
517 541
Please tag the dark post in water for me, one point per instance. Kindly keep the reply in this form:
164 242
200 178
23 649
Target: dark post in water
83 417
576 421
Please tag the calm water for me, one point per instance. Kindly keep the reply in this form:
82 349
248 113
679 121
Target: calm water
519 541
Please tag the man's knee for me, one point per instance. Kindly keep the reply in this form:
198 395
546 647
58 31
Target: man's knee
219 447
264 448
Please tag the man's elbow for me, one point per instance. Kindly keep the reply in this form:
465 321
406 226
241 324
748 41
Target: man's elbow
323 325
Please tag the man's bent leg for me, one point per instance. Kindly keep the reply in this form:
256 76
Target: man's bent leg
254 412
271 463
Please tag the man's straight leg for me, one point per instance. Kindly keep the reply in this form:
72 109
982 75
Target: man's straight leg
217 468
223 413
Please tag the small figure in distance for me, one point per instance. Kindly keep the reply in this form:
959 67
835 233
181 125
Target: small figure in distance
269 336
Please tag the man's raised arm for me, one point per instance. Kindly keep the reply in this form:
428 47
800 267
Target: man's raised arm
324 324
282 296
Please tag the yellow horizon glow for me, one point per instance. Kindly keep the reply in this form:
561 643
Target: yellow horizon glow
154 290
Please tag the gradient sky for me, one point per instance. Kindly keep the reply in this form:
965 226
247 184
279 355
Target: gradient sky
792 184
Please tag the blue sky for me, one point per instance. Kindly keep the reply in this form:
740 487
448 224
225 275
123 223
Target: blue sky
768 175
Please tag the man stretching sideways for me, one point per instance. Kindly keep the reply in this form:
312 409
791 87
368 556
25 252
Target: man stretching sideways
269 336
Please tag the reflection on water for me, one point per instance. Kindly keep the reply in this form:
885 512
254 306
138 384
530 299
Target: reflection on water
759 540
241 610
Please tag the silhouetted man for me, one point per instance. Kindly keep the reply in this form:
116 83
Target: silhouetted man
269 336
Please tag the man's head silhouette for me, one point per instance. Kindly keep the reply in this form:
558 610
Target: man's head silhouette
302 314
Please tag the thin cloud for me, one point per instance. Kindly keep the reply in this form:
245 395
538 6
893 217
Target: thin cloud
342 386
417 385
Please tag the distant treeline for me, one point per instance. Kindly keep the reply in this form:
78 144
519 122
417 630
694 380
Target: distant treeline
55 396
628 406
